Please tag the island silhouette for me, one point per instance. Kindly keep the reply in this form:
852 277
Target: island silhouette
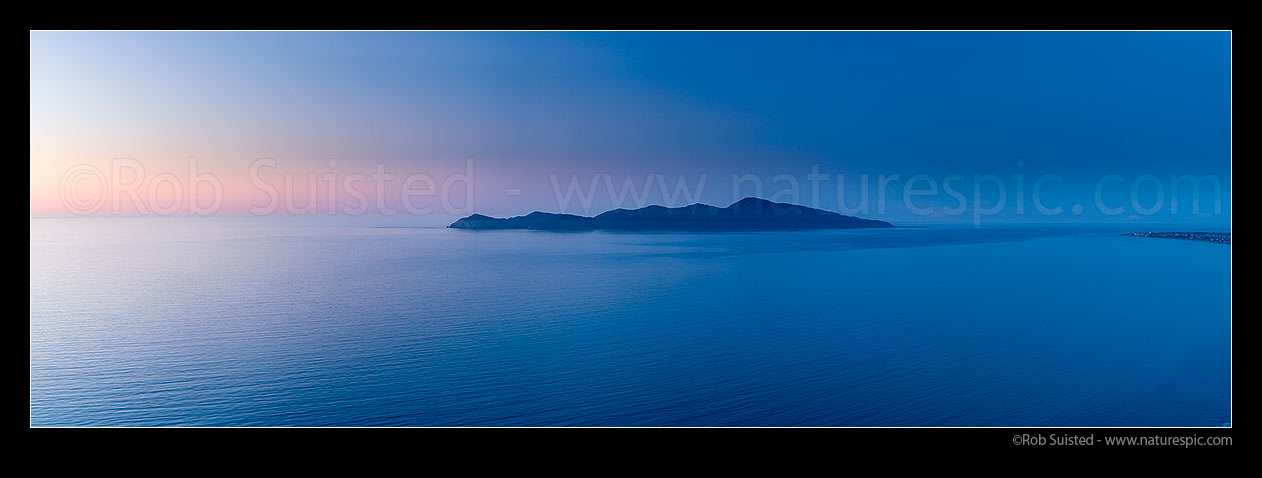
749 214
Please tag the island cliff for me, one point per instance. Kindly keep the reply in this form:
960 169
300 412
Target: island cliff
749 214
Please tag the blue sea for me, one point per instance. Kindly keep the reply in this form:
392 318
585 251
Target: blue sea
217 321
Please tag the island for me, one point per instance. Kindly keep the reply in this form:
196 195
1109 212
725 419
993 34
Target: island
749 214
1218 237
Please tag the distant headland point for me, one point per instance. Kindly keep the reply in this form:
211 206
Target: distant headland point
749 214
1218 237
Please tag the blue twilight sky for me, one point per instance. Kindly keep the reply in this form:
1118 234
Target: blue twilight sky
534 107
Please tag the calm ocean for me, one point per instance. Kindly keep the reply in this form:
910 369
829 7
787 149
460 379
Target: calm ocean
268 322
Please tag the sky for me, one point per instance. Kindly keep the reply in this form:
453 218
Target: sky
1115 127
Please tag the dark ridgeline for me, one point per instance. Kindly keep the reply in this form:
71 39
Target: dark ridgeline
1218 237
749 214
